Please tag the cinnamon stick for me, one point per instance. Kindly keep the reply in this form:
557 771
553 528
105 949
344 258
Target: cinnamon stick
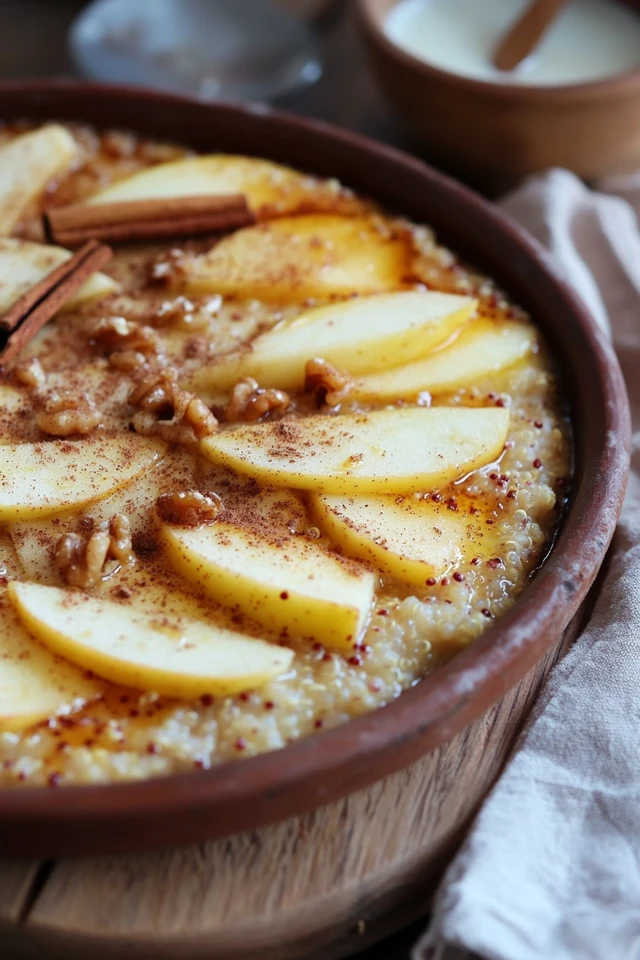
146 219
20 323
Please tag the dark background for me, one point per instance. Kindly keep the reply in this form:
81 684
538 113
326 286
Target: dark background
33 44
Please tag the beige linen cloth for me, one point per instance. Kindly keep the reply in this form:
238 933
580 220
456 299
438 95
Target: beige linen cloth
551 867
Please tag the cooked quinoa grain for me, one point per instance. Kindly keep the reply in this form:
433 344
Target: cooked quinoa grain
119 364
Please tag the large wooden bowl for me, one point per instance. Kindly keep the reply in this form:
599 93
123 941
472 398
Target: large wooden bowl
248 793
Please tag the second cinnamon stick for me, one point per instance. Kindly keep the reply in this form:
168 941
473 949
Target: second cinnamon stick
20 323
147 219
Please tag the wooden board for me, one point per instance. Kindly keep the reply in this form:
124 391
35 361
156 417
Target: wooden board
315 887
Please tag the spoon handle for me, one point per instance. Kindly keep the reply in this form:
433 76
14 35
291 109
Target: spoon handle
522 38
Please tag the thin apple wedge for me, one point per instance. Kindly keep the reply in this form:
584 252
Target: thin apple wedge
366 333
26 166
481 349
35 683
411 540
175 657
23 264
289 584
269 187
316 255
387 451
11 401
34 539
39 479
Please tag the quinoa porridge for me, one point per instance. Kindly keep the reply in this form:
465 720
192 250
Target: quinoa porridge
177 402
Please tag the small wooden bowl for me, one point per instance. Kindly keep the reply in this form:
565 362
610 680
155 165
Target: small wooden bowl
245 794
493 134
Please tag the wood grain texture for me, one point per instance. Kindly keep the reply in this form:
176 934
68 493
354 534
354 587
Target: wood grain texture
17 879
315 887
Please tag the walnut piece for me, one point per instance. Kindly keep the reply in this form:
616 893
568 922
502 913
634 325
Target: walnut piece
30 373
250 402
185 314
167 266
188 508
66 413
85 559
120 533
328 384
127 360
116 143
198 416
169 412
155 393
117 333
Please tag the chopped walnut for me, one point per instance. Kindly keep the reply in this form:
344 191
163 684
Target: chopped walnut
66 413
326 382
127 360
188 508
185 314
116 143
30 373
198 416
120 532
85 559
168 412
155 394
250 402
118 334
161 152
166 266
80 559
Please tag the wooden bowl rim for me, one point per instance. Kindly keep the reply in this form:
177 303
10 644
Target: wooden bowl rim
619 86
247 793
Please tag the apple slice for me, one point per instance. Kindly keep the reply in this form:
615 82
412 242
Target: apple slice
409 539
26 166
366 333
290 584
35 683
387 451
23 264
175 657
39 479
317 255
483 348
34 540
11 401
269 187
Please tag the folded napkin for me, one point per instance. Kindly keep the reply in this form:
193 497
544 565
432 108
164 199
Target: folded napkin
551 867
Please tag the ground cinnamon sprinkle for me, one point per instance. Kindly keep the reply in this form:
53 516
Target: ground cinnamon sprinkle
144 344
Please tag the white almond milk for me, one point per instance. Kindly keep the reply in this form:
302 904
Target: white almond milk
589 40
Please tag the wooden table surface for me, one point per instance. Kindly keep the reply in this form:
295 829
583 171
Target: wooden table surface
33 44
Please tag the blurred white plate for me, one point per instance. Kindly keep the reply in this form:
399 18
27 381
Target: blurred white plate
213 49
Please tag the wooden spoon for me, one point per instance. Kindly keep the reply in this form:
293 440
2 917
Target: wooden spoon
522 38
